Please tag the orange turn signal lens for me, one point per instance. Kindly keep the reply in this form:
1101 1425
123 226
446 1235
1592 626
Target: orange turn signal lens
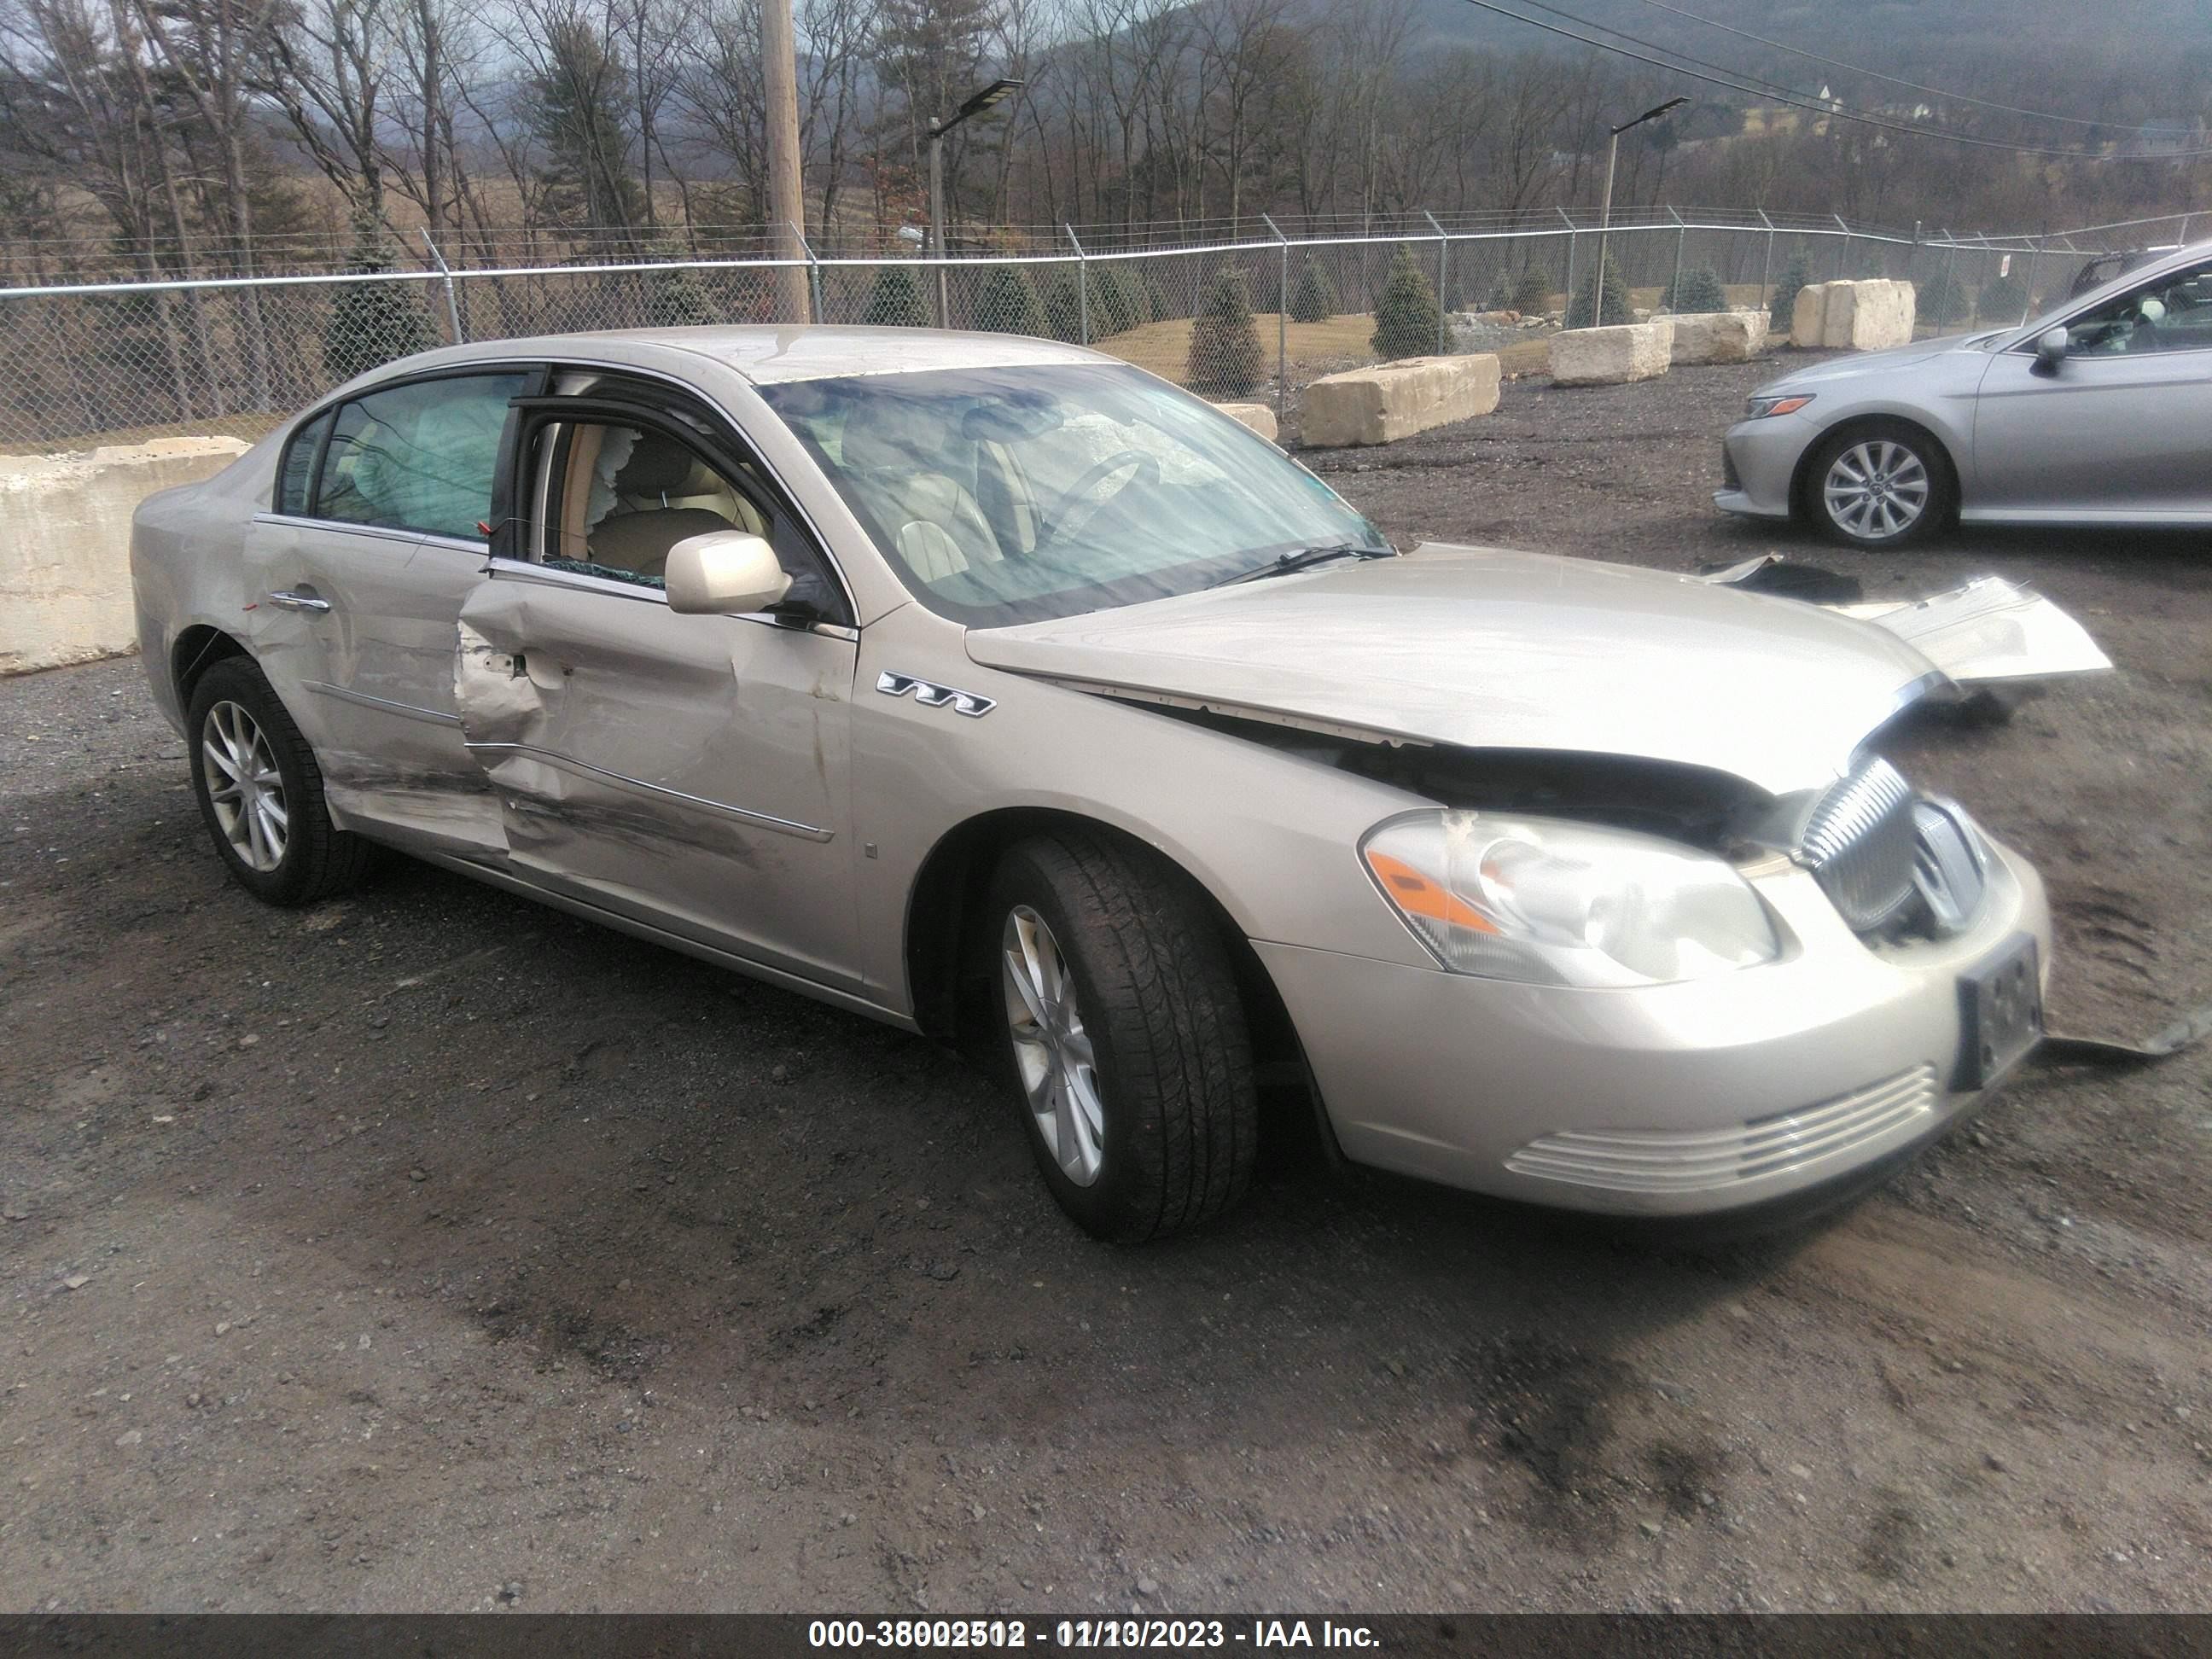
1417 896
1788 405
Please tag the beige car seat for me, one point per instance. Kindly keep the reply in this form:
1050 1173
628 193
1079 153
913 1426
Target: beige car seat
664 493
893 452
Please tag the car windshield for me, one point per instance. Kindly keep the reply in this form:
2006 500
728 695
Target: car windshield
1020 494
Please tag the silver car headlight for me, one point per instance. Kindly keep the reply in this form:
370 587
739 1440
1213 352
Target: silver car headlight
1551 903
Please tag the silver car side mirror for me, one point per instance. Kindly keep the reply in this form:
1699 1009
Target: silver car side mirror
2050 347
722 572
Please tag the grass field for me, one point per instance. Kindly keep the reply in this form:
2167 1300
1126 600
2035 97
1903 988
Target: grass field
1165 347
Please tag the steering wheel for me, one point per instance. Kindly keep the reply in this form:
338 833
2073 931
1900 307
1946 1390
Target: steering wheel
1071 513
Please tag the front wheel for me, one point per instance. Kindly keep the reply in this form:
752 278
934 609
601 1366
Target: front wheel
1124 1034
1880 486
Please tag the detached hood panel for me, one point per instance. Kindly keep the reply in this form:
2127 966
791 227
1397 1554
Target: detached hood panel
1485 648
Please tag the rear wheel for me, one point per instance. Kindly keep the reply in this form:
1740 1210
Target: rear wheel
1123 1033
1880 486
261 793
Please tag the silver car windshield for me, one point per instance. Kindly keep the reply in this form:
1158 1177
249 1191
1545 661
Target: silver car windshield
1020 494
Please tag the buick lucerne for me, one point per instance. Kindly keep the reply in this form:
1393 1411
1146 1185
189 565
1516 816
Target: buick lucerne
1002 691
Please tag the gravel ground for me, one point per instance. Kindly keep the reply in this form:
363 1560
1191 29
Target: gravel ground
428 1249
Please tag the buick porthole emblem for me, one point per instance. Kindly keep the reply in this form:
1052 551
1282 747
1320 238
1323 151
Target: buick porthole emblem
935 697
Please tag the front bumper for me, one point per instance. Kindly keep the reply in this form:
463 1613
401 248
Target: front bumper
1760 463
1700 1099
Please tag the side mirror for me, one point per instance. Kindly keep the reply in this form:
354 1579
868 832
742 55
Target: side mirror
722 572
2050 348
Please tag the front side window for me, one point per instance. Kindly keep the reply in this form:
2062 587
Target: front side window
419 457
2173 313
1018 493
617 496
620 497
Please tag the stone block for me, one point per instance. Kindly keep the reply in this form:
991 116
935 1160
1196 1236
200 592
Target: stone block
1872 314
1390 401
1810 316
1719 337
1259 416
1612 354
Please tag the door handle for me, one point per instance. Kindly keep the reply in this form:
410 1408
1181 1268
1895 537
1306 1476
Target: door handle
288 599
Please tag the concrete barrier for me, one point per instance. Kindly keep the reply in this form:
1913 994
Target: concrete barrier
1390 401
66 544
1610 356
1718 336
1258 416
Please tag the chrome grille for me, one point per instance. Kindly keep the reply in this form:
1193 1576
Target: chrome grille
1859 844
1701 1160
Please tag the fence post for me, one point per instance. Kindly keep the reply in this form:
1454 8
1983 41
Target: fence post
1282 319
813 268
2027 287
1766 270
1082 286
452 303
1846 264
1682 235
1443 248
1950 278
1572 238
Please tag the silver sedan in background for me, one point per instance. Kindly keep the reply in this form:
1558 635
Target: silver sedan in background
2098 412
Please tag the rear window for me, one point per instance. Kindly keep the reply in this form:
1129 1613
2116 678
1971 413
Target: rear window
420 456
295 482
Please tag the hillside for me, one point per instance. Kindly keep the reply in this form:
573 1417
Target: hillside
2125 61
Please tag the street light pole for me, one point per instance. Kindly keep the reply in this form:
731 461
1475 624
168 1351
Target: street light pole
936 214
1605 214
989 98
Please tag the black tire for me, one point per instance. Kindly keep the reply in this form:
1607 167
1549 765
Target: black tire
1157 996
1912 455
318 858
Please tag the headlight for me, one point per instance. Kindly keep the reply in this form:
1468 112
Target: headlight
1788 403
1551 903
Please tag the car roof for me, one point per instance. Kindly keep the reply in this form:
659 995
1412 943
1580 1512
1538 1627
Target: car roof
771 354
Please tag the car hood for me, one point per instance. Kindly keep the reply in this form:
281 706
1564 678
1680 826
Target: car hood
1860 364
1485 649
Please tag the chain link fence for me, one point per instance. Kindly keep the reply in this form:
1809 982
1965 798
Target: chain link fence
1255 314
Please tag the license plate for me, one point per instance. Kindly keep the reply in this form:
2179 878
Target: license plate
2001 1013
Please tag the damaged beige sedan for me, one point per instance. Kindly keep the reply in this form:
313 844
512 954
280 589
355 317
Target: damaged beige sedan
1000 690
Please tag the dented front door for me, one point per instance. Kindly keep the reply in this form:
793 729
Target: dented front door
690 772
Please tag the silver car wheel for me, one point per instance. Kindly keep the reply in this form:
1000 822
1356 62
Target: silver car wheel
1052 1049
244 787
1876 490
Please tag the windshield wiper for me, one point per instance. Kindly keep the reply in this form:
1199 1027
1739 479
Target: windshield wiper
1304 559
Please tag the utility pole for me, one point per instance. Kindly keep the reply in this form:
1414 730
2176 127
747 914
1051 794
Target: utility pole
786 192
1605 217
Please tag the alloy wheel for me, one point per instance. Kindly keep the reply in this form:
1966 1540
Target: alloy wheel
245 787
1052 1048
1876 490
